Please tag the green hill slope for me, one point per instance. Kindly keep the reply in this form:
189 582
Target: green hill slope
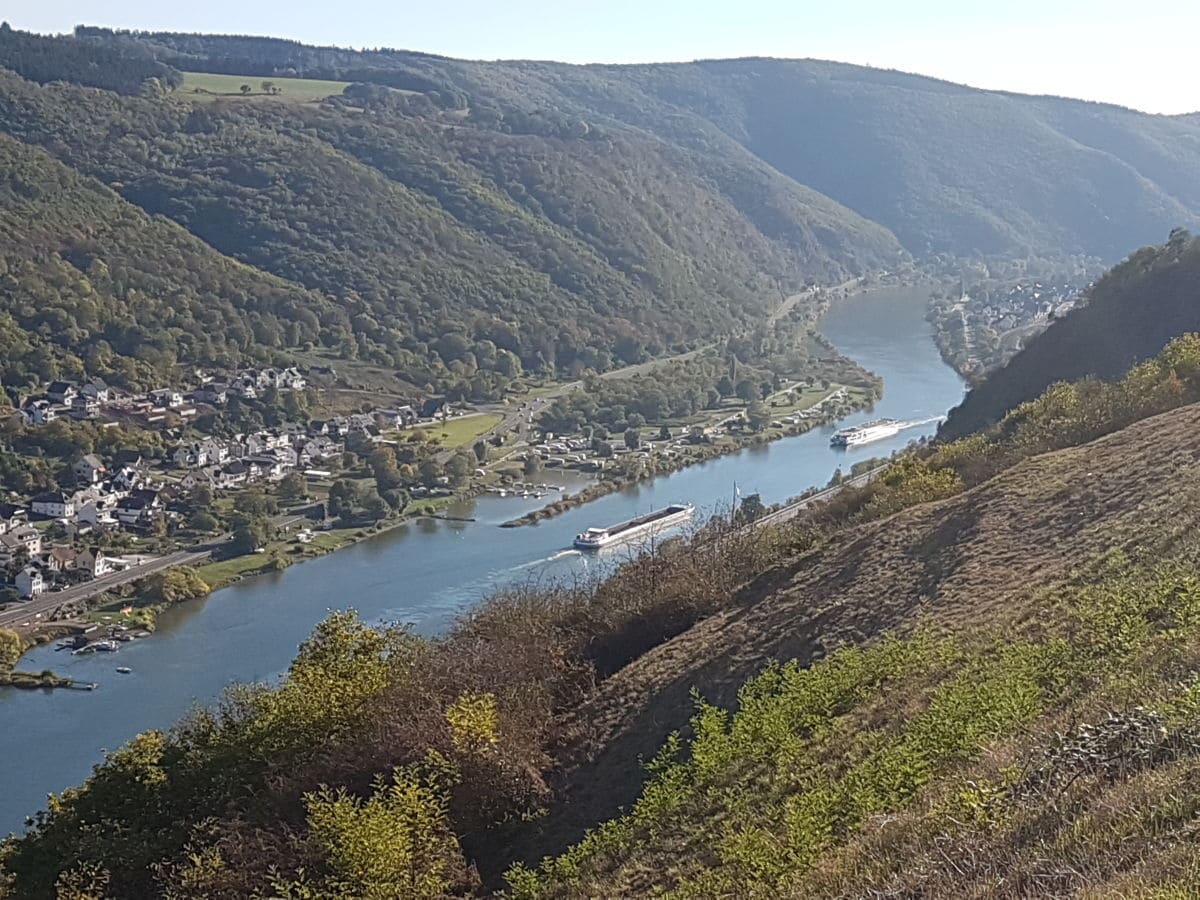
90 282
444 241
581 216
1132 312
945 167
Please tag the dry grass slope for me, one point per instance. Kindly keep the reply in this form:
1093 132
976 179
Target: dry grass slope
960 562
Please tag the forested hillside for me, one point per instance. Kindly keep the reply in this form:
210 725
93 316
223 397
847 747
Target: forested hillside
130 69
91 283
1130 314
947 168
474 219
460 254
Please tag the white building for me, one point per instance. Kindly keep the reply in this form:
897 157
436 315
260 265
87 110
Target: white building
29 582
53 505
89 469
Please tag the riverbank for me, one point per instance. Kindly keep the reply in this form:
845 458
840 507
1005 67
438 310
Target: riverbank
46 680
129 605
856 399
427 573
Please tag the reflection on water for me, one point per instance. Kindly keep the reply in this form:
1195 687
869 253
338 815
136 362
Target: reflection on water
424 573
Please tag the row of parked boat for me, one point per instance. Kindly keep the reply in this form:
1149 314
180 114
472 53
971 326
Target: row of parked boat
536 491
105 646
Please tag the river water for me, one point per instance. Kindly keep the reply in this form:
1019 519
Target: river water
426 572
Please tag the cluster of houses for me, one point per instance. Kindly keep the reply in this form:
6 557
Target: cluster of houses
33 567
270 454
1025 304
262 456
93 398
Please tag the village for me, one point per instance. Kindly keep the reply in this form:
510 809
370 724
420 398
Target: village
204 480
981 326
55 539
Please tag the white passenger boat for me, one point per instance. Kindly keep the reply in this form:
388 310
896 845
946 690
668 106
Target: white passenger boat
876 430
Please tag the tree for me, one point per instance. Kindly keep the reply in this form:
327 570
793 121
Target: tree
481 452
10 649
747 390
385 468
374 505
532 465
245 89
343 498
268 87
398 842
429 471
397 498
725 386
751 508
664 433
633 438
158 525
458 469
293 486
204 521
255 502
757 415
176 585
201 496
250 533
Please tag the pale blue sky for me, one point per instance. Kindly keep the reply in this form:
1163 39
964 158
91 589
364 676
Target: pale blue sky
1141 55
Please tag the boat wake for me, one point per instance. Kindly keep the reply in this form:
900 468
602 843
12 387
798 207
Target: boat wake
561 554
918 422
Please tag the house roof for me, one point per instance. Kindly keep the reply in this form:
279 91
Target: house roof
51 497
92 460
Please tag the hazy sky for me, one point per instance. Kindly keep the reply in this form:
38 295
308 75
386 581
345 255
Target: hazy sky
1137 54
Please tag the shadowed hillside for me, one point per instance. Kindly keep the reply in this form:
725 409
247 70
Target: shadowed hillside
1131 313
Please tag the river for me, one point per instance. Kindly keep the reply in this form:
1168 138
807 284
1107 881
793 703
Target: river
427 572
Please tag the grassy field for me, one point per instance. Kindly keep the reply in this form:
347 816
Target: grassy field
462 431
207 86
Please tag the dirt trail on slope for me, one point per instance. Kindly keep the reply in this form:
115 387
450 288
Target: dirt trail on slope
955 562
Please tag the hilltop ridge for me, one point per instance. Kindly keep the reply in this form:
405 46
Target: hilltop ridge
916 154
458 217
